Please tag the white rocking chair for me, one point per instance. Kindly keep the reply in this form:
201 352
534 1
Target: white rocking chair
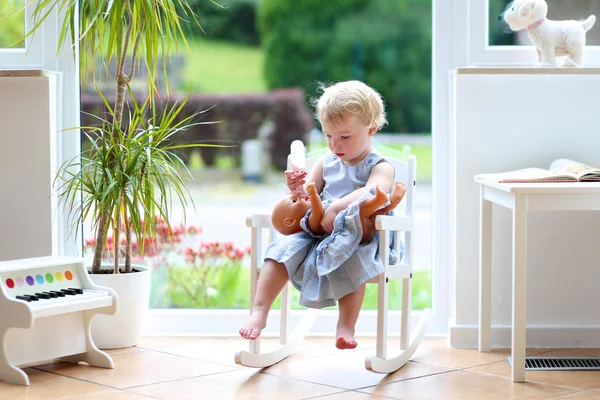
380 362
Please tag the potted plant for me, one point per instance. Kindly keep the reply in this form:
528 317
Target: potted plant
130 173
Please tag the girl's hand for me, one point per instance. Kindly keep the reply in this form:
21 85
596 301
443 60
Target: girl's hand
295 181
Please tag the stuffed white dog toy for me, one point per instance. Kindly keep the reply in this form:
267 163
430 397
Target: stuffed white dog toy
551 38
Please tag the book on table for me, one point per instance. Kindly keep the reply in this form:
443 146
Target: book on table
561 170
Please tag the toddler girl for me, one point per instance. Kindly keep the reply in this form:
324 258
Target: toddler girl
350 114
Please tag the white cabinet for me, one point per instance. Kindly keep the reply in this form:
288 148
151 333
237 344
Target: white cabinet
510 118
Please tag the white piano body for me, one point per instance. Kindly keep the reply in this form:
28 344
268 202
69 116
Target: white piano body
55 326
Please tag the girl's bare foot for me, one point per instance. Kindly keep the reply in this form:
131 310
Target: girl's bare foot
344 337
254 325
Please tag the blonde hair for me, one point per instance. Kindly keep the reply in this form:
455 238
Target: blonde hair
350 98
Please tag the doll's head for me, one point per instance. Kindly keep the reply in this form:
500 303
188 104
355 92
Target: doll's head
288 212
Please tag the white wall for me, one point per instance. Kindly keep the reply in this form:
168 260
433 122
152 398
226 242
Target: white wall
28 115
507 119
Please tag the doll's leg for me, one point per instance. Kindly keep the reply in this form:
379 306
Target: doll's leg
272 278
395 198
316 205
371 205
349 308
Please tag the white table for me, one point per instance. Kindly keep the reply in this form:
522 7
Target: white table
521 198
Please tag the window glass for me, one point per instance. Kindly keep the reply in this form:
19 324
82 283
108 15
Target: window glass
259 89
12 23
501 35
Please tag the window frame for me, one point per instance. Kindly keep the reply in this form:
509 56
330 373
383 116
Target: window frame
40 52
31 55
68 145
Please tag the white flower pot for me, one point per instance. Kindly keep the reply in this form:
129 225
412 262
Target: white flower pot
124 328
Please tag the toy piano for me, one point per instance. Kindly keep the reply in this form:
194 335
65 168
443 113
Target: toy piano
46 309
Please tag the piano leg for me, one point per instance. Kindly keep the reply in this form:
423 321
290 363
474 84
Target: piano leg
93 356
8 372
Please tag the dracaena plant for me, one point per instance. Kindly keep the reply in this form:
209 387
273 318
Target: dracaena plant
130 171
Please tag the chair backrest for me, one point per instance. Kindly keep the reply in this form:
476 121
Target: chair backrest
405 172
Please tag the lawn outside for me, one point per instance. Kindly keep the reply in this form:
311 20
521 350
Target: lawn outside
230 289
214 66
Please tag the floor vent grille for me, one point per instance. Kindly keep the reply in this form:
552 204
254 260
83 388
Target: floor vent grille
560 363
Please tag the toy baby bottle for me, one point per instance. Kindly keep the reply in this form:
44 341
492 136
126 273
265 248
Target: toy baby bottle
297 156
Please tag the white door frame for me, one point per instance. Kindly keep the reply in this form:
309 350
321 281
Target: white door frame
40 52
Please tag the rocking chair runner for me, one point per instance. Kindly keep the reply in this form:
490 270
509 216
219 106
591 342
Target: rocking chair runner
405 172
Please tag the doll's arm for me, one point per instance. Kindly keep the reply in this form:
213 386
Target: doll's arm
369 212
314 219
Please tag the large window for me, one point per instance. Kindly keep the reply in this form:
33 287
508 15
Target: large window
260 98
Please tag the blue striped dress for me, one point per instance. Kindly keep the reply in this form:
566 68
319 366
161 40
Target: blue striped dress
327 268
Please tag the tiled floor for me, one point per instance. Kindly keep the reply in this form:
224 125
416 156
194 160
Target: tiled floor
198 368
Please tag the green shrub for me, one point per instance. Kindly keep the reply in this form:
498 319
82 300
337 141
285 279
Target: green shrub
385 43
500 33
231 20
240 118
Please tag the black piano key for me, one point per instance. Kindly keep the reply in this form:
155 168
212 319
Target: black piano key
59 294
70 292
27 299
31 297
77 290
53 295
43 295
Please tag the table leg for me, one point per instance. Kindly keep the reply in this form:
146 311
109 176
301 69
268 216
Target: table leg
485 272
519 284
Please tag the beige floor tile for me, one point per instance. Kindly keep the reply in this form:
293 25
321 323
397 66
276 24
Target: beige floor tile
127 350
363 342
349 396
44 385
588 395
236 385
347 371
139 368
111 394
463 385
589 352
564 353
436 351
222 351
182 368
578 380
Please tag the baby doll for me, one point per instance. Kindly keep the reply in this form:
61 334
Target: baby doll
288 212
